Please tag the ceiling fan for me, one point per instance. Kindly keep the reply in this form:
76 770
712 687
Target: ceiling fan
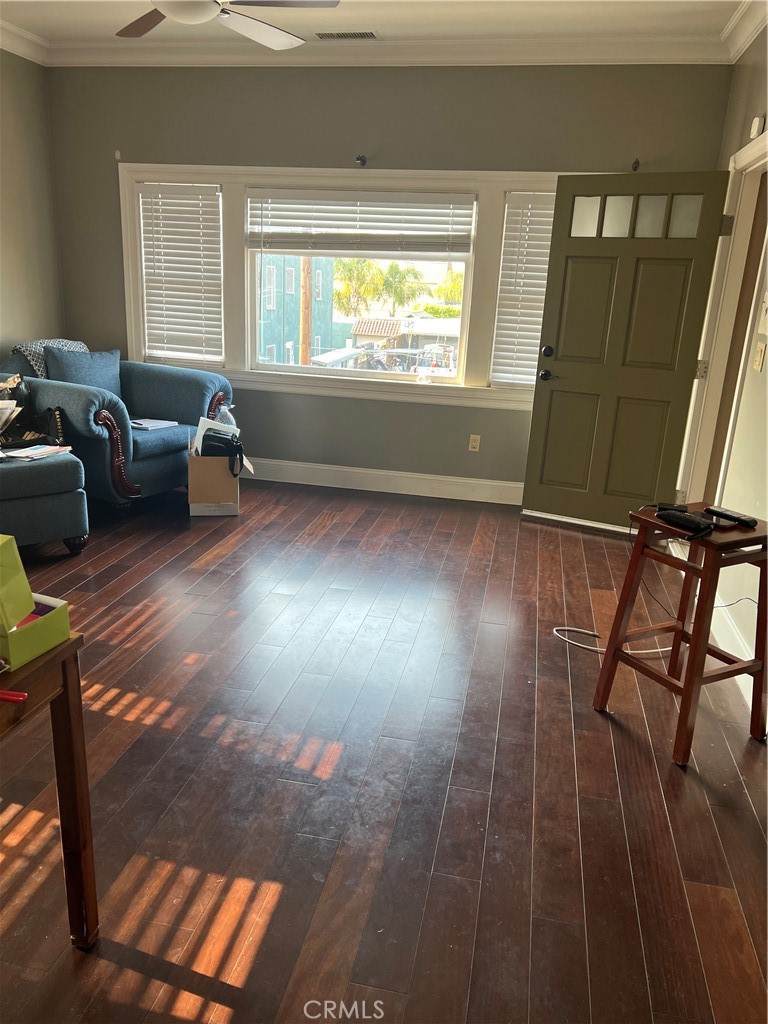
195 12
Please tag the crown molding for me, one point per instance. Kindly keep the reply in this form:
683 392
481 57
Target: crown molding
749 18
540 50
24 44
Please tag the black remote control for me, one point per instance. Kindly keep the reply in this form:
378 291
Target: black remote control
696 525
733 517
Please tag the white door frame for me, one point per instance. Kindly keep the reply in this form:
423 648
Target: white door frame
746 168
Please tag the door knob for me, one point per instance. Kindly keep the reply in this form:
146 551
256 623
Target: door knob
547 351
547 375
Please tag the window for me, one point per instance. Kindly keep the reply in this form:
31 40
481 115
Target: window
384 270
181 272
297 280
522 285
270 287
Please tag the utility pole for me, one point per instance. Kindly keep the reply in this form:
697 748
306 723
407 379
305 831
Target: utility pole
305 321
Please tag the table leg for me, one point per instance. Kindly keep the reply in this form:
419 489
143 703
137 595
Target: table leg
74 807
757 720
621 621
684 612
697 656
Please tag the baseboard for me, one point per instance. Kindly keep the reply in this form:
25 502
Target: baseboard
356 478
584 524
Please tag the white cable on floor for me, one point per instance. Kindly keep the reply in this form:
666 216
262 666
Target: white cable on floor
559 630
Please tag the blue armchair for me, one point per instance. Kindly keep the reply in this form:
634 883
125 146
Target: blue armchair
122 464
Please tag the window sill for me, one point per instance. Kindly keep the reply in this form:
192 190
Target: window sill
382 390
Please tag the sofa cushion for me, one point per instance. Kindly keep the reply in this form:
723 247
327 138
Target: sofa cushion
93 369
147 443
55 474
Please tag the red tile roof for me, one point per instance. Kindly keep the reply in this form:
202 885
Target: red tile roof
377 328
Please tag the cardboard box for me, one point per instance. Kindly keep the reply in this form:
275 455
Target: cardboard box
20 644
213 491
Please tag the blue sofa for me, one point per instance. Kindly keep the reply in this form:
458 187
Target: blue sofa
44 501
122 464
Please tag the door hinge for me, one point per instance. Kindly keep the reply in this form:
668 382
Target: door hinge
702 369
726 225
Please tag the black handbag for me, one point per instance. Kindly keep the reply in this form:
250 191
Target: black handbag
221 444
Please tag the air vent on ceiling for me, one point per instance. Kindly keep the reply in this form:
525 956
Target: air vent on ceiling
346 35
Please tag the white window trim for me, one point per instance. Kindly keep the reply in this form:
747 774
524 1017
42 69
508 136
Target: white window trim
481 283
290 280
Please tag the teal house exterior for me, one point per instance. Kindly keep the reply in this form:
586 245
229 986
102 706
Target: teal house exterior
281 307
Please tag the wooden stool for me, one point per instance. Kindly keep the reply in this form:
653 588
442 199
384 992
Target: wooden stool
707 556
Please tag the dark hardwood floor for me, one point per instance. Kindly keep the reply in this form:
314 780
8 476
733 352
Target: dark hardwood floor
336 753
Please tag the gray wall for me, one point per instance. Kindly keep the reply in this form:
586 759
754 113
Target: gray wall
401 436
518 118
30 294
748 97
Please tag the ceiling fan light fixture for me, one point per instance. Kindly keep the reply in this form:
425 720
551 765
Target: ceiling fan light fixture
189 12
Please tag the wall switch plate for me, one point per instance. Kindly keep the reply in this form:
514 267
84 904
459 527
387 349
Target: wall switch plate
759 361
474 443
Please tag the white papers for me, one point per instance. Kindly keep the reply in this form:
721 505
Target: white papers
150 424
8 412
36 451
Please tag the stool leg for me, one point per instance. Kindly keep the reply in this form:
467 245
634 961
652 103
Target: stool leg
684 613
621 621
702 625
757 720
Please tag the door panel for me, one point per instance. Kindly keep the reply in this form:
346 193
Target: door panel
636 479
657 313
570 437
629 275
586 306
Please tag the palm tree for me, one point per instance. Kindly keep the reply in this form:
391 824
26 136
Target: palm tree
402 286
452 288
357 283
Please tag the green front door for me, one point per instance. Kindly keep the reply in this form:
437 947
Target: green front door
629 274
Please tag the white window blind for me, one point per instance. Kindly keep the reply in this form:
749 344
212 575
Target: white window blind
360 222
522 284
182 271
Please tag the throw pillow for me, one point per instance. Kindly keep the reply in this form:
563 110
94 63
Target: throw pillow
93 369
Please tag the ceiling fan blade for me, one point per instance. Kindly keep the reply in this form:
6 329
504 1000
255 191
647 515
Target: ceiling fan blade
142 25
283 3
259 31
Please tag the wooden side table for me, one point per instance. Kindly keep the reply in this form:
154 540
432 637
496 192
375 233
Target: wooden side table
54 679
707 556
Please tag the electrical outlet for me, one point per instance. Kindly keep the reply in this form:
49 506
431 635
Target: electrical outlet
474 443
759 360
